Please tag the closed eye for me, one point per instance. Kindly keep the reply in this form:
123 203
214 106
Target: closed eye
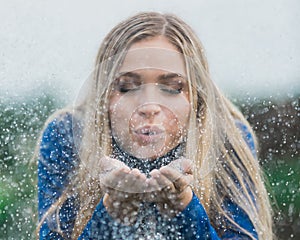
126 83
172 84
171 89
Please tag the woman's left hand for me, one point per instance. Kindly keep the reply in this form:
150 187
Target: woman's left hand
171 184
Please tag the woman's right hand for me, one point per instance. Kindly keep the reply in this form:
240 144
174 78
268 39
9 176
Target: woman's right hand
123 189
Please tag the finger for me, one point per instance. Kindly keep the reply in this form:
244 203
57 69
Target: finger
126 181
171 173
151 185
182 165
187 165
162 181
180 181
138 175
108 164
132 181
114 178
136 181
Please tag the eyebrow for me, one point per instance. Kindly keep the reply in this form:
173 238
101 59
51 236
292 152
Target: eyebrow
161 77
129 74
170 76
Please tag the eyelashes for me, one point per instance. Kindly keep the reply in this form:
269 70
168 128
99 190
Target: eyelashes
125 85
172 88
124 88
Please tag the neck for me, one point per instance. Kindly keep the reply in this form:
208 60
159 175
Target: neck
146 165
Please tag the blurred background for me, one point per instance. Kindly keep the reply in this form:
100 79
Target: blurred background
48 49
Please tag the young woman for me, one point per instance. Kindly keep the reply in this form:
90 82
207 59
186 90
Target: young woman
154 151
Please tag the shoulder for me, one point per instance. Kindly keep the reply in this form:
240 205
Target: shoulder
62 127
60 121
57 130
57 143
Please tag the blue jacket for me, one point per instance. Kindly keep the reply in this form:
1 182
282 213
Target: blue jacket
56 165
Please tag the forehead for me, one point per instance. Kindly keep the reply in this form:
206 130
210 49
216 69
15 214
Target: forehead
154 53
154 42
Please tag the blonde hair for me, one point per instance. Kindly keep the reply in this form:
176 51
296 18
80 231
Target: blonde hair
224 164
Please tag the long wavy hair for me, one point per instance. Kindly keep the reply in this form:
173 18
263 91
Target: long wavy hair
225 167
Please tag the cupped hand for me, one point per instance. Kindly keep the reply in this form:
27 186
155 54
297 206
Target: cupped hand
172 187
123 189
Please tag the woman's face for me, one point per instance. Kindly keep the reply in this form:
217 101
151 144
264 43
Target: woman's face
149 107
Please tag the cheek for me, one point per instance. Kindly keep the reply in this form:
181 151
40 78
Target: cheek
115 115
176 123
113 102
184 116
181 115
116 108
119 115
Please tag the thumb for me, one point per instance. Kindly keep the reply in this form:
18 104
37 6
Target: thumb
183 165
108 164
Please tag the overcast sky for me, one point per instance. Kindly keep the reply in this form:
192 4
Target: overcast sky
252 45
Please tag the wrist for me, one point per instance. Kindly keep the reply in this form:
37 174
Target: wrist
172 207
122 212
186 198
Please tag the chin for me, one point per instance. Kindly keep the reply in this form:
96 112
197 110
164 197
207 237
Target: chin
150 152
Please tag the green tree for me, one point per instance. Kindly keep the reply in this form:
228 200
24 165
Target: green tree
21 122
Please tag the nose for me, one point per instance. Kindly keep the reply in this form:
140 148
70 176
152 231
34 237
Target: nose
149 107
149 110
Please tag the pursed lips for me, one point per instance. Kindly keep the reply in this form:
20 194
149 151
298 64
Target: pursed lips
149 130
148 134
